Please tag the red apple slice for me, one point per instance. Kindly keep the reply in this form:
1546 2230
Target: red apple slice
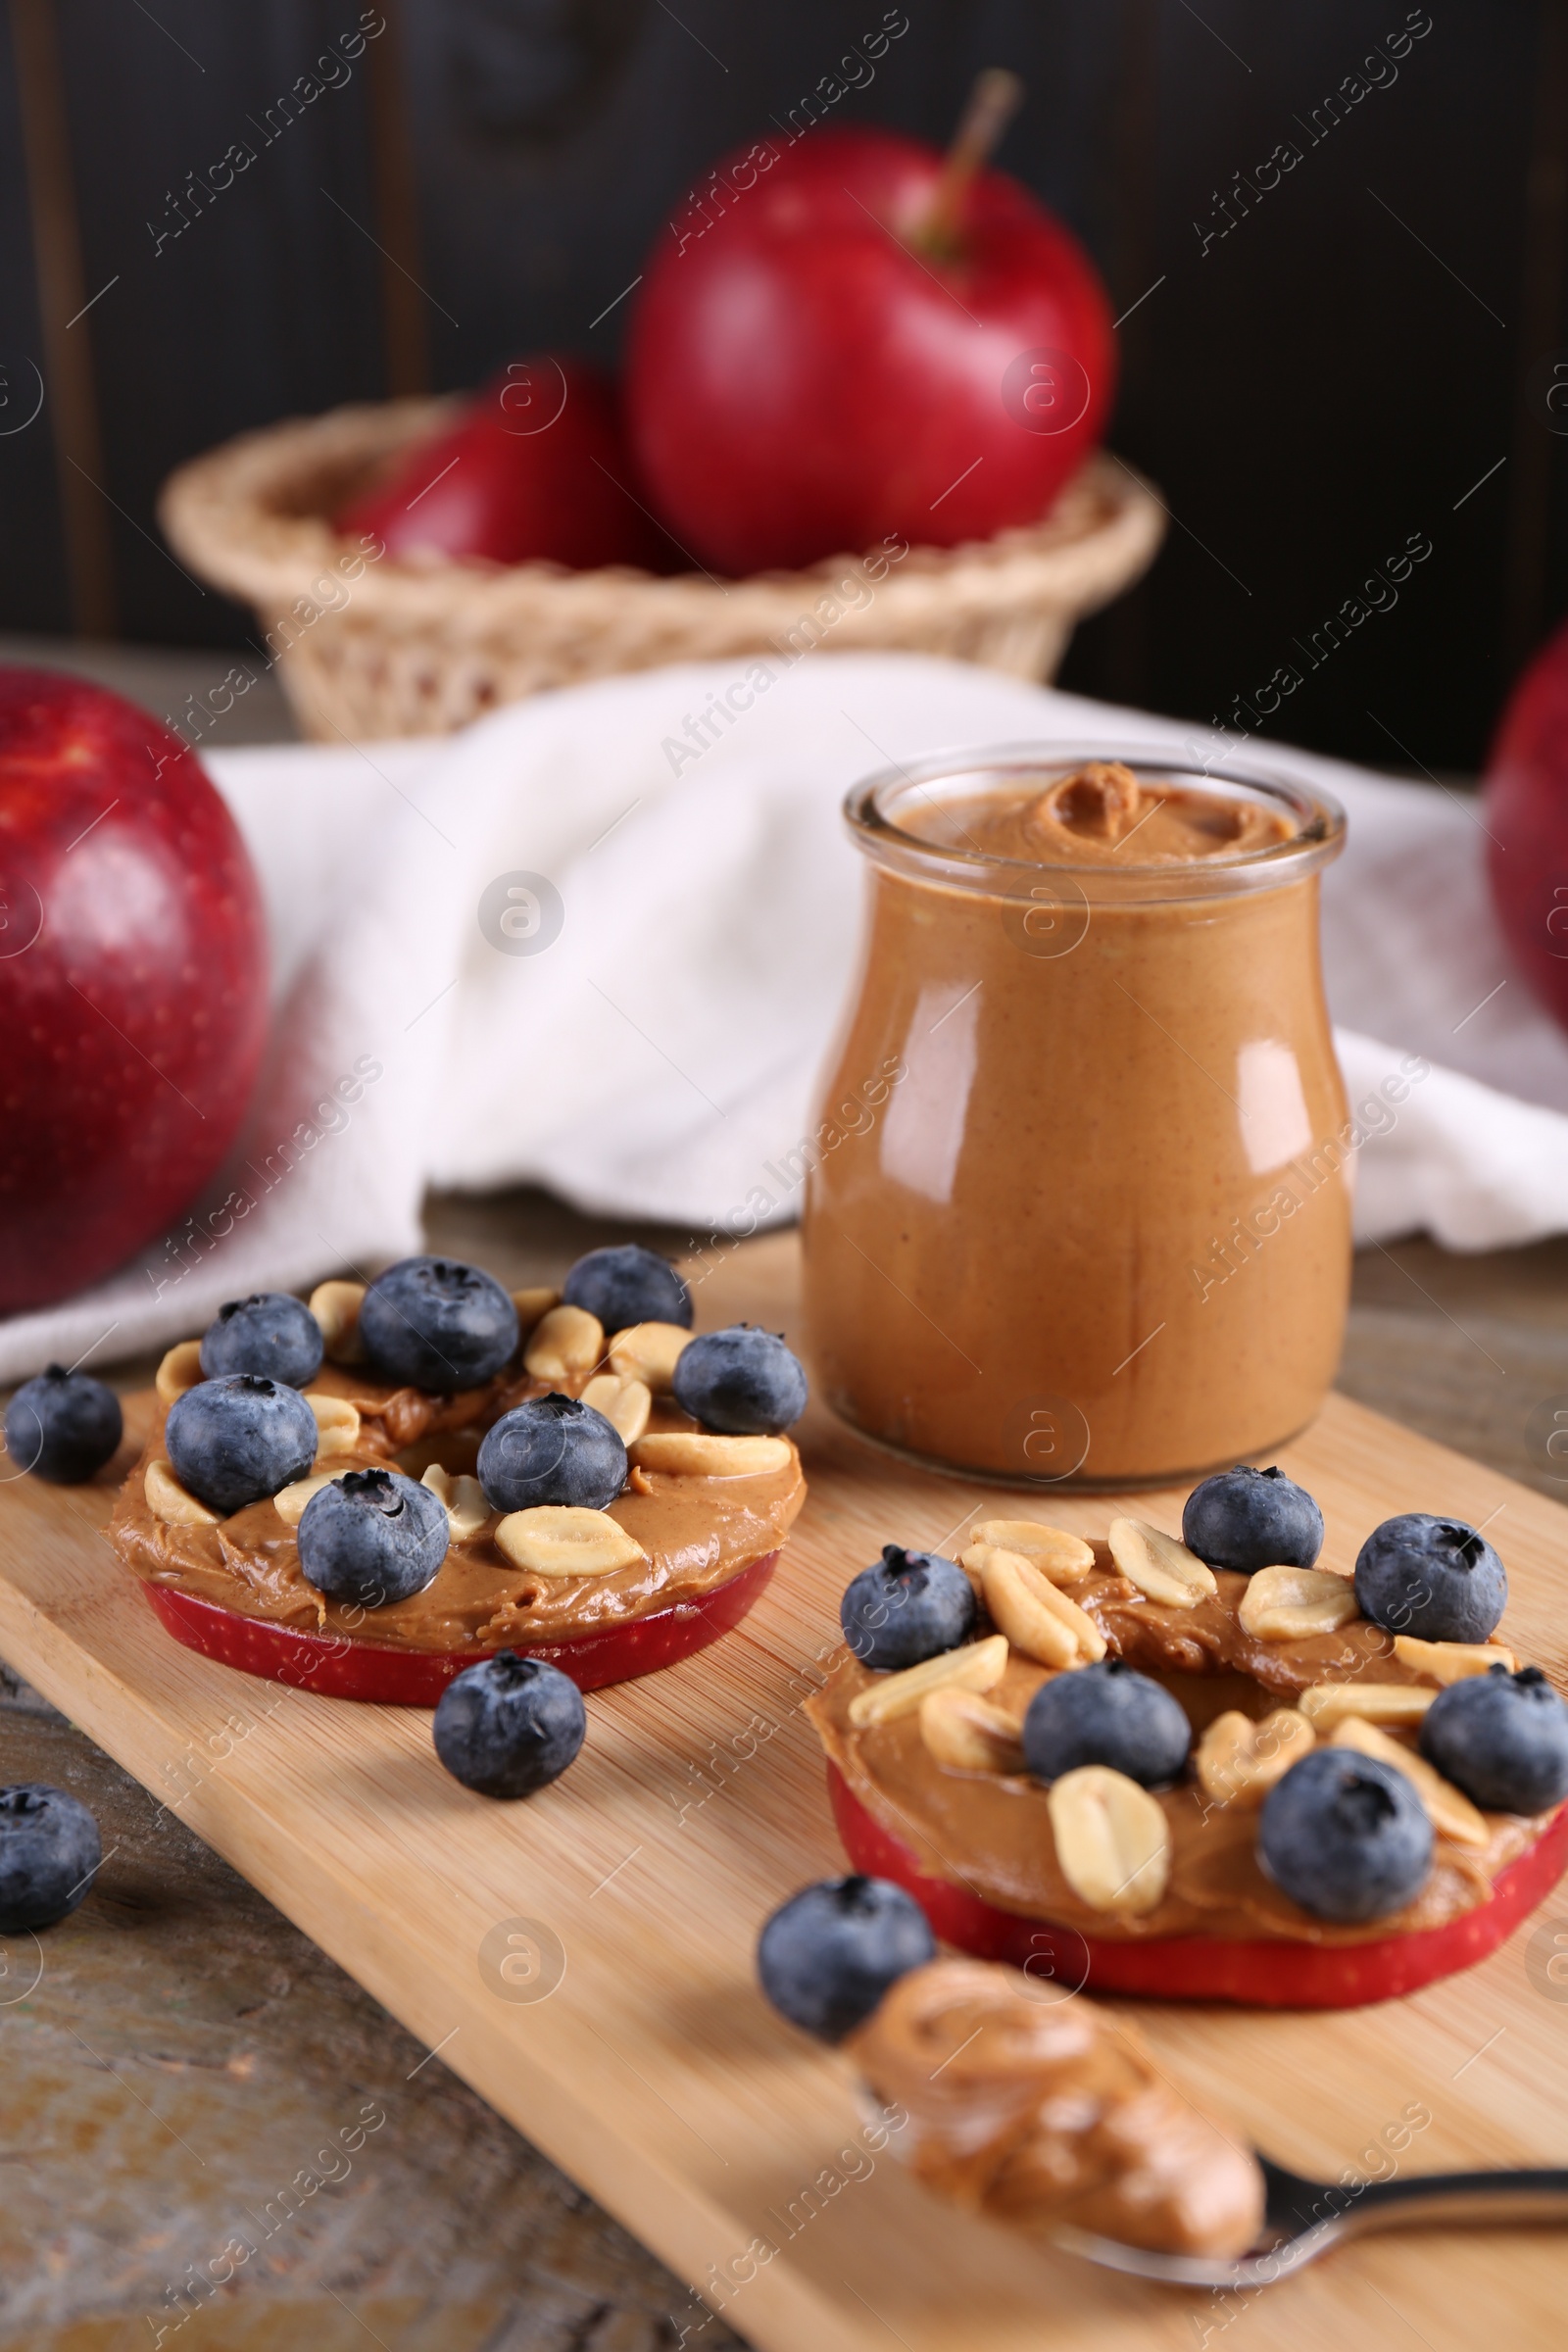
1271 1973
345 1668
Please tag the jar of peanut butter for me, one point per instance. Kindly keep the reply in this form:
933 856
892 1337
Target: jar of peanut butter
1100 1230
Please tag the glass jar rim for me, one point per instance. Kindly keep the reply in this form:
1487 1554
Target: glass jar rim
1318 819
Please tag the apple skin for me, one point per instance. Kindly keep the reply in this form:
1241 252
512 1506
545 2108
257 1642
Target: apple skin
800 384
132 982
1526 804
535 469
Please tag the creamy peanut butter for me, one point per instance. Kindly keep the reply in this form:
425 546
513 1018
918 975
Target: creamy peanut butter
990 1832
1039 2109
696 1534
1101 1227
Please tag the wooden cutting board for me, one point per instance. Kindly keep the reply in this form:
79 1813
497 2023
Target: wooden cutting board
585 1960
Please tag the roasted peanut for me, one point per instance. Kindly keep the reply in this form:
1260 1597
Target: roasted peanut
1291 1604
336 1307
180 1369
566 1344
1037 1619
694 1453
975 1666
1066 1559
1328 1704
969 1734
468 1511
337 1423
563 1539
170 1501
649 1352
1445 1662
1112 1842
625 1403
1448 1809
1159 1566
1239 1761
290 1502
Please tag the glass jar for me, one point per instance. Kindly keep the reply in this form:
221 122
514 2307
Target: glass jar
1096 1227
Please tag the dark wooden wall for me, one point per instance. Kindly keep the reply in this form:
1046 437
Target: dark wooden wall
1314 371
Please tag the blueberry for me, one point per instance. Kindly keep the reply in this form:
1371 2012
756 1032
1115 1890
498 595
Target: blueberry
510 1725
237 1439
269 1332
1345 1835
1436 1579
1106 1714
63 1425
1248 1519
372 1537
1502 1739
437 1325
827 1956
49 1849
628 1284
907 1606
742 1381
551 1449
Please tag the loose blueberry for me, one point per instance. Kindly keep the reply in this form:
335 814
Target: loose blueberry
742 1381
1106 1714
437 1325
551 1449
628 1284
63 1425
268 1333
827 1956
510 1725
909 1605
49 1849
1436 1579
1502 1739
372 1537
1345 1835
238 1440
1246 1519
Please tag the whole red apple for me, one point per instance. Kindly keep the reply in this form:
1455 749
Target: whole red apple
535 469
132 982
1527 818
817 369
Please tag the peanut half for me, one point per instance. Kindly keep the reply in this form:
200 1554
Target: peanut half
1066 1559
1239 1760
1159 1565
1291 1604
1112 1841
1448 1809
558 1539
1327 1704
1445 1662
976 1666
625 1403
567 1342
336 1307
337 1423
170 1501
290 1502
468 1509
694 1453
649 1352
180 1369
1036 1618
968 1733
532 1306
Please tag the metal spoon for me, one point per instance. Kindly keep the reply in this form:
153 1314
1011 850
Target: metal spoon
1303 2218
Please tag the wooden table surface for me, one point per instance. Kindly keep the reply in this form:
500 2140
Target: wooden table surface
112 2125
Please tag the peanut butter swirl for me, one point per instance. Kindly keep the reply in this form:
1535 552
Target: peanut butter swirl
1092 816
1040 2110
695 1532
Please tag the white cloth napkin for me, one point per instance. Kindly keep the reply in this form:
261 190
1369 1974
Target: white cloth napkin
658 1056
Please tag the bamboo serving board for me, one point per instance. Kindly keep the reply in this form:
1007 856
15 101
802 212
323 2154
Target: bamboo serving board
585 1960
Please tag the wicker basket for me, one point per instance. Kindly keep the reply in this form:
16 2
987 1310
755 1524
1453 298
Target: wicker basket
415 649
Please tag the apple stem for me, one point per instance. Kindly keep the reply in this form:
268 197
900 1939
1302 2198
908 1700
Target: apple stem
993 102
